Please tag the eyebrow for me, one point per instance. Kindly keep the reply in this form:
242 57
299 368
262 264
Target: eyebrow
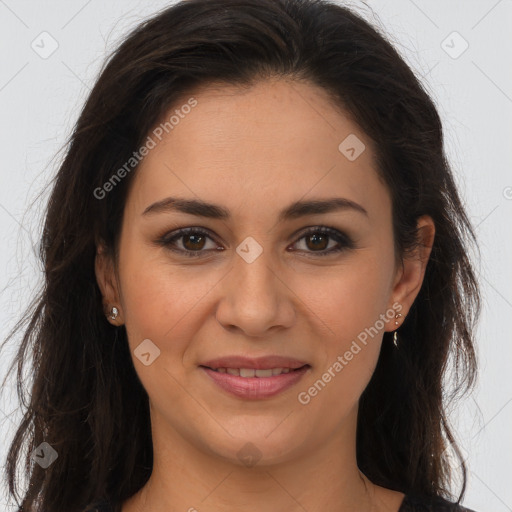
293 211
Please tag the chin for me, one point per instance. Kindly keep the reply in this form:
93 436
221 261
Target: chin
264 445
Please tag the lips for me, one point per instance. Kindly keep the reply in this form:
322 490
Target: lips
254 378
255 388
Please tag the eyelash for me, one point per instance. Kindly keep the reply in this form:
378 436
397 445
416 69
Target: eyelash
344 241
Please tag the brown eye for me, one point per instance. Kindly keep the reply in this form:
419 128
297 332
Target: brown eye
317 241
193 241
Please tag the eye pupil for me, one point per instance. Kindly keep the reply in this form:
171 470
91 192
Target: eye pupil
196 237
317 236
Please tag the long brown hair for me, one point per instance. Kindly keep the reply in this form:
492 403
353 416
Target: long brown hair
85 399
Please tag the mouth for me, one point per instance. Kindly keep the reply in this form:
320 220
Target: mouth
255 383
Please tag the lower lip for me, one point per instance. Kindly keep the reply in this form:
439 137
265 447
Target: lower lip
255 387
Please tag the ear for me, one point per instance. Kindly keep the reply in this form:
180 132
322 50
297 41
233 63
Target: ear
107 281
409 277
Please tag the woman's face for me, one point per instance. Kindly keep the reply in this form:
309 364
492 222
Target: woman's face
255 283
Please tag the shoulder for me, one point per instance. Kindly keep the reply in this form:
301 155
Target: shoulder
418 504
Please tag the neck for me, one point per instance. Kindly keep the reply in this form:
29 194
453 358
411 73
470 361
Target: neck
324 477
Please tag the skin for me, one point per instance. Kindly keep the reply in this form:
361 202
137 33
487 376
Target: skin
255 151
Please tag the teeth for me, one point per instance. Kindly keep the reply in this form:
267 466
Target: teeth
264 373
251 372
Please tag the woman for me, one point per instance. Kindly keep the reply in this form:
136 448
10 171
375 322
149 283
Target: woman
255 272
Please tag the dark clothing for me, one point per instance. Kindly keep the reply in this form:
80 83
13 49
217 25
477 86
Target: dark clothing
409 504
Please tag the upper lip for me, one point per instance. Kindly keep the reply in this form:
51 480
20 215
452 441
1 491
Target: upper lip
258 363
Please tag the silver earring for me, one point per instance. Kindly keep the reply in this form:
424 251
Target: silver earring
114 312
395 334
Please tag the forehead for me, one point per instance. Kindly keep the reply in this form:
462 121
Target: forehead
275 141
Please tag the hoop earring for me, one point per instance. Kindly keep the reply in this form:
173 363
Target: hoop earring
395 334
114 312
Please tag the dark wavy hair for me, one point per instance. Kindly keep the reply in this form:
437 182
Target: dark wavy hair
85 398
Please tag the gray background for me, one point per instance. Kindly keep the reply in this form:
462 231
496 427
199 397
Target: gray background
40 99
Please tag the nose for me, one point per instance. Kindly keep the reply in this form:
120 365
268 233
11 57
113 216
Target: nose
255 297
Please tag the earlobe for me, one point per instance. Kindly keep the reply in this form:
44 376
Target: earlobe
412 272
107 283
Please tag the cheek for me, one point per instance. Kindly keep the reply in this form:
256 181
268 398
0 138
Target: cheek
162 303
345 299
160 300
350 303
